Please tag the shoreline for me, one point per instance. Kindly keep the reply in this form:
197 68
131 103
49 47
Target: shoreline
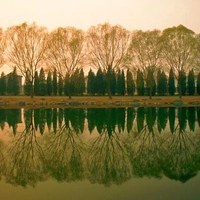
97 101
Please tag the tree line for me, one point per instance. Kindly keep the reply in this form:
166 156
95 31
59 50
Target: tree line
106 48
121 83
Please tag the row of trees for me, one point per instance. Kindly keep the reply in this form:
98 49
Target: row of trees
120 84
105 47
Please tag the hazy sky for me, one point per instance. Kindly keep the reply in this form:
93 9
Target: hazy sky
131 14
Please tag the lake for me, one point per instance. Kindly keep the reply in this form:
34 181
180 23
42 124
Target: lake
100 153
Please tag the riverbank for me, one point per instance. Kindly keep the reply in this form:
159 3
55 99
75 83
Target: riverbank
97 101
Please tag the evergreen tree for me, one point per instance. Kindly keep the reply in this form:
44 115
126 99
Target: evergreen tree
60 85
36 84
91 83
111 82
42 83
27 85
81 81
72 83
10 84
55 84
130 85
140 83
100 82
49 84
191 83
150 83
161 83
15 82
198 83
2 84
182 83
67 85
164 82
120 83
171 83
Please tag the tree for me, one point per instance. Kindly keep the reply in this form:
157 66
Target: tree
180 52
91 83
111 81
100 82
13 83
49 84
67 85
55 84
191 82
145 50
198 83
2 46
130 85
66 51
42 83
150 83
36 84
27 85
182 83
26 45
3 84
81 82
161 83
120 83
140 83
60 85
107 48
15 80
10 84
171 82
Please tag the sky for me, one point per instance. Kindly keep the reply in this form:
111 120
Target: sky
82 14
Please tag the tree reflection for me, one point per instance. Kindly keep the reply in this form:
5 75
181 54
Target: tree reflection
65 153
2 159
180 156
26 158
140 119
162 115
172 119
145 147
55 115
130 118
2 118
108 159
191 118
13 118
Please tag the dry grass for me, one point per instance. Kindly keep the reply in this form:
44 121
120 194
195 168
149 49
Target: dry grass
49 101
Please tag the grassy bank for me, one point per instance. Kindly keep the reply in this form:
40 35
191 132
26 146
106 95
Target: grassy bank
97 101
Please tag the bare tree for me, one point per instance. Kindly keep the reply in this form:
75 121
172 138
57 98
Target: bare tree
66 51
145 50
181 49
25 49
107 47
2 46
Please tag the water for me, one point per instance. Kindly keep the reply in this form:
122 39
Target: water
113 153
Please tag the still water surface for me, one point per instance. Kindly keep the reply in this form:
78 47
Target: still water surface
113 153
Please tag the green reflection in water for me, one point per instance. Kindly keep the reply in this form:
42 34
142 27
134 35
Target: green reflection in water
105 146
